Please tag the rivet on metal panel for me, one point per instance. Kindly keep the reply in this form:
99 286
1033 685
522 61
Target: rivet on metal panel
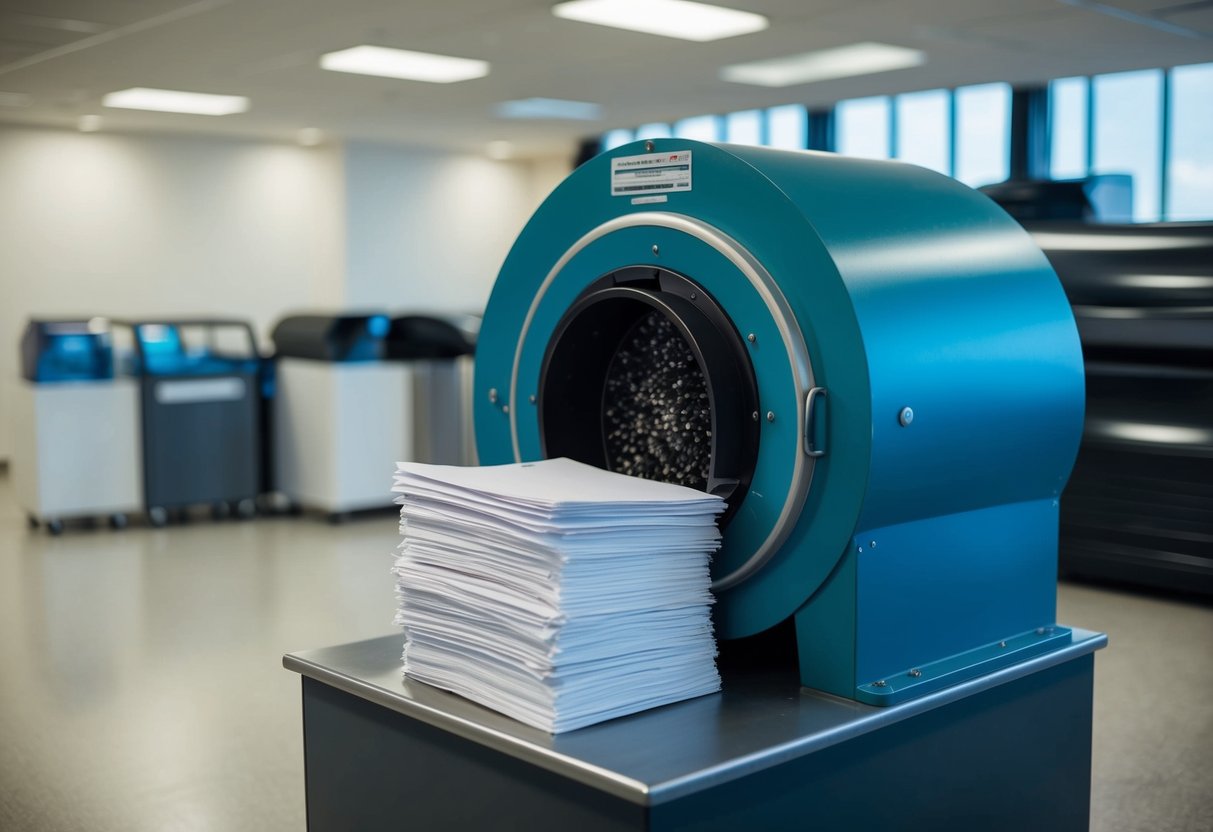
770 415
861 550
648 147
656 249
872 543
531 398
1040 631
505 408
906 416
880 683
755 415
694 296
1002 644
752 338
915 672
493 395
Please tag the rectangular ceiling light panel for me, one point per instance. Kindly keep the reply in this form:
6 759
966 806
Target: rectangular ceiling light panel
670 18
401 63
824 64
549 108
176 101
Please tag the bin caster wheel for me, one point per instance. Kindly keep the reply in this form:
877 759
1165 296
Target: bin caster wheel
221 511
157 516
246 508
55 527
32 520
117 521
336 518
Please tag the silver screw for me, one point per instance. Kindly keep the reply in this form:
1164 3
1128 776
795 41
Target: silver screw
916 673
531 398
656 250
770 415
693 296
493 395
906 416
505 408
872 543
880 683
861 550
1040 631
1002 644
755 415
648 146
752 338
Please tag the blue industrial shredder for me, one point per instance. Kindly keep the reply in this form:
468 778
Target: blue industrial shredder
895 393
878 370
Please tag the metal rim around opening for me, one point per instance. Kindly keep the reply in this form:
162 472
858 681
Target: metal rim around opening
790 335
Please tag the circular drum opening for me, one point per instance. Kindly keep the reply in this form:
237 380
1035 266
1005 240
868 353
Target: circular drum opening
645 375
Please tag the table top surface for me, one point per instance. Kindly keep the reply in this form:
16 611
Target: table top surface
762 718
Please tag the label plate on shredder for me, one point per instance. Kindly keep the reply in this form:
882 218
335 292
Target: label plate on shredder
651 173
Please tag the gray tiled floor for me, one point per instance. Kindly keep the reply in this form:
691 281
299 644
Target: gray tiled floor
141 685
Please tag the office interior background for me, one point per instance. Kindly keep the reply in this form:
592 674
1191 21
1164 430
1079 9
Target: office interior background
141 684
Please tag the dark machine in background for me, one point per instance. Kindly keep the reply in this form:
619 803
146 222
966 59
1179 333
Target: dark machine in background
200 398
345 337
1139 505
1106 197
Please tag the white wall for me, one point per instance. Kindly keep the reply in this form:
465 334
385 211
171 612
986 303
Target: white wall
142 225
121 225
428 231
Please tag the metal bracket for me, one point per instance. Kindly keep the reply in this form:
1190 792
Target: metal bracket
814 424
916 681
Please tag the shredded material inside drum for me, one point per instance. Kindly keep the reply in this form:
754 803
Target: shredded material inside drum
658 419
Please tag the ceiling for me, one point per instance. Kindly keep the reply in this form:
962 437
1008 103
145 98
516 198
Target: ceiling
59 57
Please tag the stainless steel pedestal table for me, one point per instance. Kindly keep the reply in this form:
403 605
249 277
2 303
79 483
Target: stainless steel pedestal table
1010 751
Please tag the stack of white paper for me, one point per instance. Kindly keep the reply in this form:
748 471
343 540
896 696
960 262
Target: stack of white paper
555 592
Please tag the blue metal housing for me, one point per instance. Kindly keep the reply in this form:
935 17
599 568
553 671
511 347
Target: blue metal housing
920 549
59 351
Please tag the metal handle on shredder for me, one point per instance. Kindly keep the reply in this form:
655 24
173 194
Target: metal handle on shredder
811 411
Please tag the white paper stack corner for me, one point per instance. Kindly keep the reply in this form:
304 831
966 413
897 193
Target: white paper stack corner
554 592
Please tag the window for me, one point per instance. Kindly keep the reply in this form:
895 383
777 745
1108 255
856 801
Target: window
983 133
1190 150
1068 128
1154 127
788 127
1127 134
700 128
614 138
862 127
924 129
653 131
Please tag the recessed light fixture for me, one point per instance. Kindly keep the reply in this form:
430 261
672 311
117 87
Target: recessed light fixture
309 136
89 123
401 63
843 62
554 108
671 18
500 150
176 101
